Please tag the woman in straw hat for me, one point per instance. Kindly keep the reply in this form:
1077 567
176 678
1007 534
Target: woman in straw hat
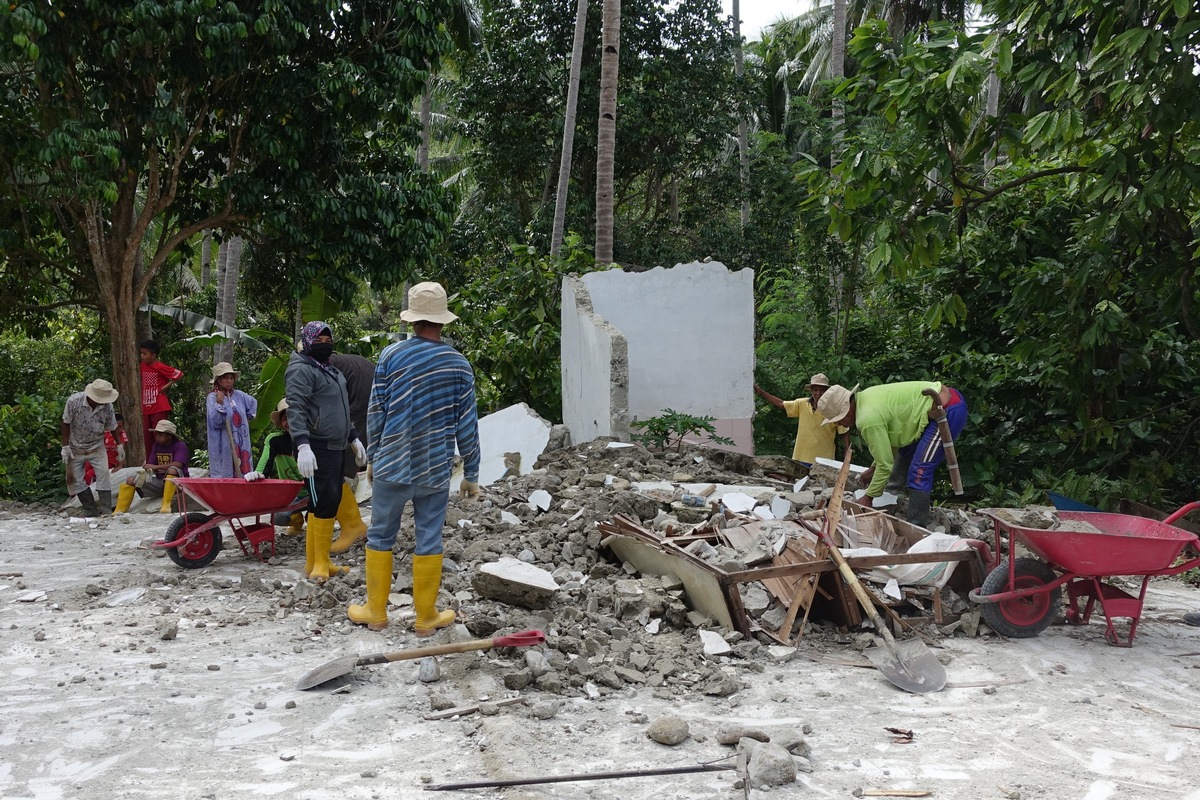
168 458
229 412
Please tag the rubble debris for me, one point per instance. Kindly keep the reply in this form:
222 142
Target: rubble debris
668 730
512 581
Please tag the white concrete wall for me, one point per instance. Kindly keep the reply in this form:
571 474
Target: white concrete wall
689 333
591 398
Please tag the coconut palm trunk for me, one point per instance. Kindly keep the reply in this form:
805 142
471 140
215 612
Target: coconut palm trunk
568 142
606 139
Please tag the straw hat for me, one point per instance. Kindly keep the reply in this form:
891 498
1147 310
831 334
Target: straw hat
101 391
427 303
166 426
224 368
835 403
277 414
818 380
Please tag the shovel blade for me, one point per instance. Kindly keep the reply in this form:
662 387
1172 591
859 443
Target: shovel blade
327 672
911 666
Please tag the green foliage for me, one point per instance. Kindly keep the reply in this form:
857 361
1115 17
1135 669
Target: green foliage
31 470
512 324
669 429
50 368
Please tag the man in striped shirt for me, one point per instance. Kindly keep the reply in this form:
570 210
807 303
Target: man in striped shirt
422 405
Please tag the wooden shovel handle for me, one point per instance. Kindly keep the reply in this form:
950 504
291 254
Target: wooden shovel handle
514 640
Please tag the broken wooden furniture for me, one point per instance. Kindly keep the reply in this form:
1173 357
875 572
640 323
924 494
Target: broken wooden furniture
799 573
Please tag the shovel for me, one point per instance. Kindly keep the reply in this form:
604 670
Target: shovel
346 664
908 664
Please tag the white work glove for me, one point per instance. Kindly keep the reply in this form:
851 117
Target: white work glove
360 453
66 453
306 461
468 489
250 477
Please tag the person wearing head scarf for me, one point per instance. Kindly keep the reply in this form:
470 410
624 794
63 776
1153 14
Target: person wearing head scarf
318 414
229 412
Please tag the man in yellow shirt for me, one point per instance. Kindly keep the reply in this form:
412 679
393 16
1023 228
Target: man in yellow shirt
813 440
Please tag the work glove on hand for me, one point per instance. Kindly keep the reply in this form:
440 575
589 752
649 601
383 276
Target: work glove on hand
360 453
468 489
306 461
250 477
66 453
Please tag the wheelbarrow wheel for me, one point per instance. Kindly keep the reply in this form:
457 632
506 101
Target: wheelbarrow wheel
1024 617
199 552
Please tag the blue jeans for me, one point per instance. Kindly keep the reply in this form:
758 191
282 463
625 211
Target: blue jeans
387 509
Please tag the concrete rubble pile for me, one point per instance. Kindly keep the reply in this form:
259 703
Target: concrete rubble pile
530 556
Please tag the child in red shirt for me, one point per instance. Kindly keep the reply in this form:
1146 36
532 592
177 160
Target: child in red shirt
157 377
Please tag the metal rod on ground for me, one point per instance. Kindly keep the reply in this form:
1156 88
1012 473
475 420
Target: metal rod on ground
589 776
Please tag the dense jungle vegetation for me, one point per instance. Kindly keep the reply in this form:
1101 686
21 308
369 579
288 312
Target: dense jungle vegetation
1003 196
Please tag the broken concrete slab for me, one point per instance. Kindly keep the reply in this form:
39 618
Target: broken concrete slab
516 583
510 440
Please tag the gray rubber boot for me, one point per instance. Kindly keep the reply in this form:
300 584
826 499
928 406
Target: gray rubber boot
899 477
88 501
918 508
105 502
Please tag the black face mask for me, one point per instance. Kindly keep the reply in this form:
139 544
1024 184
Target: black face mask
321 351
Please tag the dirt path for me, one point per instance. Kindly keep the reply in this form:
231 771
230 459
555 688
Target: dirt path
98 704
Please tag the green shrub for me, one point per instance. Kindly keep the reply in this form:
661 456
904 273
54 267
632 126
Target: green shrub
669 429
31 470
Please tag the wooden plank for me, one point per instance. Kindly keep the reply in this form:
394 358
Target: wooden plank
860 562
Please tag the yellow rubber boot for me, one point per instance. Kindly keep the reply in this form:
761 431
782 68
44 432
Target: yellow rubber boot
353 528
320 534
310 552
125 493
295 525
427 579
168 496
379 584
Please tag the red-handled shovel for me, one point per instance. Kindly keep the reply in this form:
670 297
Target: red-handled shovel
346 664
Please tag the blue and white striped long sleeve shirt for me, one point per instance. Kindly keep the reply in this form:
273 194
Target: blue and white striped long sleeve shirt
422 404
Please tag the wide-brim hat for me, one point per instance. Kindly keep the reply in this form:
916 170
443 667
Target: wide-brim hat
101 391
166 426
277 414
818 380
224 368
427 303
835 403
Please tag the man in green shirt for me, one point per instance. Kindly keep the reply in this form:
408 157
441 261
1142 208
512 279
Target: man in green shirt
894 420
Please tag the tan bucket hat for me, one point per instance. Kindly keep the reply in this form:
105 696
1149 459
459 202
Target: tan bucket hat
166 426
818 380
835 403
277 414
101 391
427 303
224 368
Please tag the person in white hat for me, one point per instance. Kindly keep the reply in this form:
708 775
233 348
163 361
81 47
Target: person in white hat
87 416
895 420
168 458
813 439
422 406
228 412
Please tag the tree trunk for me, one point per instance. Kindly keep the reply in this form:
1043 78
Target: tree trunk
205 259
837 71
568 141
606 140
993 111
426 117
743 126
228 315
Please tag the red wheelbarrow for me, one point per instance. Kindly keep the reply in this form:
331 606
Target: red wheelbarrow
194 538
1020 597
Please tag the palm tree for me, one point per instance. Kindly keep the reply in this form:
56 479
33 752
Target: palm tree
564 166
606 137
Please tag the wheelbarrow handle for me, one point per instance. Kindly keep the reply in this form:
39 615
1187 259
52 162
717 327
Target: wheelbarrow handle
1190 507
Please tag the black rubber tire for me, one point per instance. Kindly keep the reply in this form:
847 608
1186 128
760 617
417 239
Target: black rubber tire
1026 617
202 550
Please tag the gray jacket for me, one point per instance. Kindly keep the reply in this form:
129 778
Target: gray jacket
318 407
